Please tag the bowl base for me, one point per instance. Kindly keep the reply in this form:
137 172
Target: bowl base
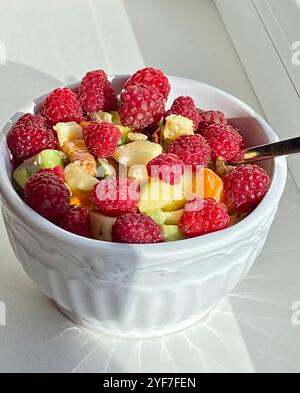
96 327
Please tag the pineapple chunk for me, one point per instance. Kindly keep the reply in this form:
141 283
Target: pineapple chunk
159 195
101 226
137 153
176 126
78 180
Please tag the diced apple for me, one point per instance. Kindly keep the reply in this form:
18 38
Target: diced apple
45 159
173 217
172 233
157 215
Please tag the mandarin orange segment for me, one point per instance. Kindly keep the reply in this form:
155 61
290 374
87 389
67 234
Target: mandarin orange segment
208 185
80 199
78 153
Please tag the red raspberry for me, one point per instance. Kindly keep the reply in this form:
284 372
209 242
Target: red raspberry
224 141
62 106
136 229
101 139
48 195
168 167
203 216
96 93
26 140
76 220
245 187
115 196
151 77
185 107
192 150
57 171
30 119
142 106
207 118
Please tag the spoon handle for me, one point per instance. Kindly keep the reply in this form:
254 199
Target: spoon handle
271 150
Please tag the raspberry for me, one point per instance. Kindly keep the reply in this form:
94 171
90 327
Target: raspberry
142 106
185 107
61 106
30 119
95 92
115 196
28 139
48 195
168 167
57 171
224 141
207 118
203 216
136 229
192 150
245 187
153 78
76 220
101 139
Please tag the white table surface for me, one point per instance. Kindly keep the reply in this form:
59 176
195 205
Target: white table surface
249 331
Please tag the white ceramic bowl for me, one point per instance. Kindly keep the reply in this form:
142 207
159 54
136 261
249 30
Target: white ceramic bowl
142 290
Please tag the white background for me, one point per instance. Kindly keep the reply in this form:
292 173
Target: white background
48 43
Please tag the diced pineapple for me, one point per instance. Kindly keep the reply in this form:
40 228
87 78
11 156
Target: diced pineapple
176 126
78 180
101 226
137 153
159 195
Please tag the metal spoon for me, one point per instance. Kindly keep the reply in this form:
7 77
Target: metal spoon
271 150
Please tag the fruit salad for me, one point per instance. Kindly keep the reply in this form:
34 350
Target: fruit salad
129 168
